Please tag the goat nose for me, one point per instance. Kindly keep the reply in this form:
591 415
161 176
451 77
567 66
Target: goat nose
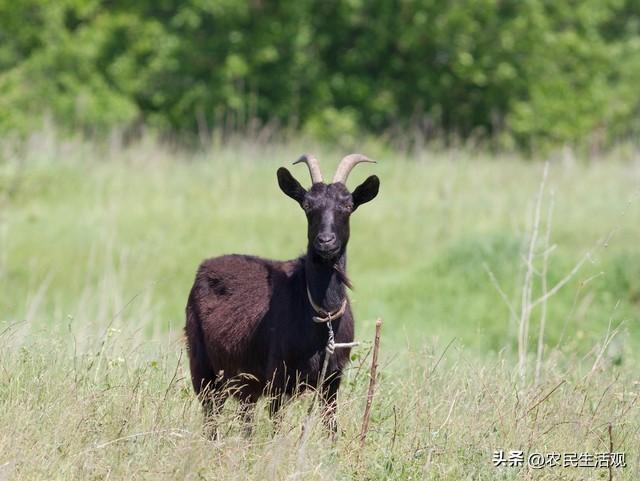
323 239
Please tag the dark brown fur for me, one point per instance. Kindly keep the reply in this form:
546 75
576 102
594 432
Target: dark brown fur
248 315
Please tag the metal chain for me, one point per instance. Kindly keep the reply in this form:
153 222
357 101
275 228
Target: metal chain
331 341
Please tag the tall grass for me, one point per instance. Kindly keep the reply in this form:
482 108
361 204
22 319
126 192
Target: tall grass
100 244
125 410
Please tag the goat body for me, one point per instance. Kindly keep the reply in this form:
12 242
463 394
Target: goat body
250 327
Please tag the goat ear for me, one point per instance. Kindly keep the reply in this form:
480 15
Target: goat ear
366 191
290 186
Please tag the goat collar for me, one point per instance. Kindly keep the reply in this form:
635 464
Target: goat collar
326 316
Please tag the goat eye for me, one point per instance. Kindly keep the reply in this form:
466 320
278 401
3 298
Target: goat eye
306 206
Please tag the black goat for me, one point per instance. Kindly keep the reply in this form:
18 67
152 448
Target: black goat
250 321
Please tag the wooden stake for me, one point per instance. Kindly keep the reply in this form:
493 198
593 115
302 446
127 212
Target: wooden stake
372 384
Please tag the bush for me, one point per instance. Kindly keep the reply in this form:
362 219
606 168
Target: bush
531 74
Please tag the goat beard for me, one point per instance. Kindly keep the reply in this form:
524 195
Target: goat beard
342 276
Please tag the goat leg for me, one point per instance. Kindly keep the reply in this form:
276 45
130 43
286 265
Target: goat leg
247 412
212 402
330 400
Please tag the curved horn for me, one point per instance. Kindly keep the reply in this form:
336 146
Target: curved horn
314 167
346 164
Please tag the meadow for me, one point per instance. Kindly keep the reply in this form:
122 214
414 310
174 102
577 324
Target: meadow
98 248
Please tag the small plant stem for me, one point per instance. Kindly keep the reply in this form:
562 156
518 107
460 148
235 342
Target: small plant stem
527 287
372 385
543 314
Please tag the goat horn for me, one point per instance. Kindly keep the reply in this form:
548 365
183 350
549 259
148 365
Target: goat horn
314 167
346 164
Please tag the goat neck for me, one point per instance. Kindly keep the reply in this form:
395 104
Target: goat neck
326 281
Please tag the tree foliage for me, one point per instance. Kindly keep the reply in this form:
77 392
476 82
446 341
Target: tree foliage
518 72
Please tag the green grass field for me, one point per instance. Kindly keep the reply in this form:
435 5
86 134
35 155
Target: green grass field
99 246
